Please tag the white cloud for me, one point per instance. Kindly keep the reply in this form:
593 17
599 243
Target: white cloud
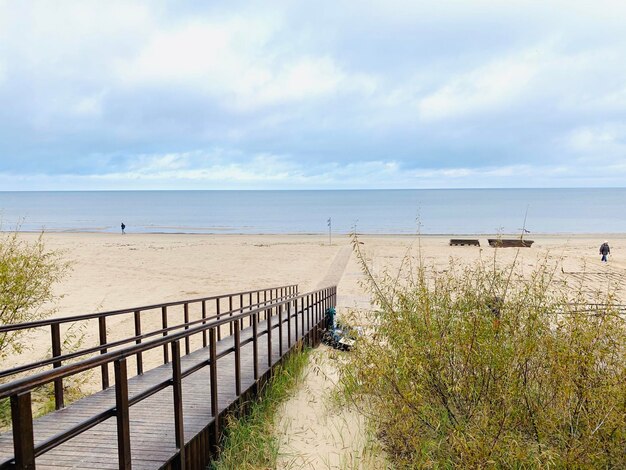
357 96
88 106
599 150
230 60
486 88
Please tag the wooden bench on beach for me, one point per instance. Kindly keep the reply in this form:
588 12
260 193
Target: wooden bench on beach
510 243
464 242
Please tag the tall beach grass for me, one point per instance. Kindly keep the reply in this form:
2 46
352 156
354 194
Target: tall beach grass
250 441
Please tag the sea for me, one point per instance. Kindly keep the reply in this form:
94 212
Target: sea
411 211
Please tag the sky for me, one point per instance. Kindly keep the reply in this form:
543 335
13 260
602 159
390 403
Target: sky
312 95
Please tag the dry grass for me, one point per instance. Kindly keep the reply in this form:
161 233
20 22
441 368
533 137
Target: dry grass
250 441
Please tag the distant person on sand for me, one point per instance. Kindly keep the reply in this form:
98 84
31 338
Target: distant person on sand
605 251
123 227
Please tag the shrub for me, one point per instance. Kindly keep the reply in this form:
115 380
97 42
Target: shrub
27 275
486 366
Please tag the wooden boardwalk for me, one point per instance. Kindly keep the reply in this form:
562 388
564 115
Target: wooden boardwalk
152 420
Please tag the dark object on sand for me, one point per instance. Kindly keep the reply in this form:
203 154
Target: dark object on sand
464 242
336 335
510 242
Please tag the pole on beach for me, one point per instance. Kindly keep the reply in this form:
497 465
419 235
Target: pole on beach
329 232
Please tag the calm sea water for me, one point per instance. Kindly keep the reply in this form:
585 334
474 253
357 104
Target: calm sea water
371 211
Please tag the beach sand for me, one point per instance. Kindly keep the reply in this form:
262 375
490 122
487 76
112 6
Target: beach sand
111 271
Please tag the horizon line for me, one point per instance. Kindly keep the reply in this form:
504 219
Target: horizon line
308 189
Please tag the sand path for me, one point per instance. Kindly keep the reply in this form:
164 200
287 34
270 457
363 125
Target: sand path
314 433
337 268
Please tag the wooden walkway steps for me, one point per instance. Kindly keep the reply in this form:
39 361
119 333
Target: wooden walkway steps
140 420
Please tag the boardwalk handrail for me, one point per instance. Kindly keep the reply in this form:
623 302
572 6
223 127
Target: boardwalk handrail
313 304
245 300
130 339
110 313
29 383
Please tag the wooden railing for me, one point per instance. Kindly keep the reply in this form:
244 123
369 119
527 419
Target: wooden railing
305 310
210 308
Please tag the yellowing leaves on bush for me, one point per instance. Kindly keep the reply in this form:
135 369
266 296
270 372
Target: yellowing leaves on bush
486 366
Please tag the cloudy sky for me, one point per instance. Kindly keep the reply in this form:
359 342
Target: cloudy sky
325 94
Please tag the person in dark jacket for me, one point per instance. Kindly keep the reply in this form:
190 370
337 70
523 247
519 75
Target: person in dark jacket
123 227
605 251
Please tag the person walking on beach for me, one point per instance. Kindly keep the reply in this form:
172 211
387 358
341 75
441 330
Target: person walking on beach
123 227
605 251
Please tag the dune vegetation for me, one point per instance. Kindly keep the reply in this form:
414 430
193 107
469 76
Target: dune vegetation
490 366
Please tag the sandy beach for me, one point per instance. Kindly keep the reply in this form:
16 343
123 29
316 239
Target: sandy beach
110 271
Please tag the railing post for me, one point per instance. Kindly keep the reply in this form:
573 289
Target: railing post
280 330
310 318
138 341
23 441
177 385
255 345
318 298
326 292
302 318
295 318
102 330
237 360
314 319
186 320
56 352
166 358
213 370
241 309
308 321
230 309
218 311
320 316
269 339
204 323
313 323
122 413
289 324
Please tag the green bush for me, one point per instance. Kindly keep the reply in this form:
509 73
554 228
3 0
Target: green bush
485 366
27 274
